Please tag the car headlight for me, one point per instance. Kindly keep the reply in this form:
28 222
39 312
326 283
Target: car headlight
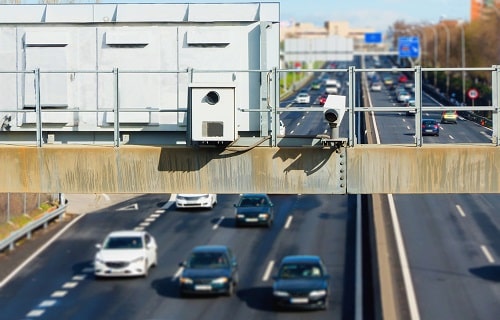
317 293
220 280
278 293
240 215
99 260
185 280
263 215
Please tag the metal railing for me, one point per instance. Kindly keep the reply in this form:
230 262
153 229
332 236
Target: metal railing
28 229
270 93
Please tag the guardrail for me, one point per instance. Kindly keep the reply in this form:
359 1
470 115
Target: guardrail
272 109
27 230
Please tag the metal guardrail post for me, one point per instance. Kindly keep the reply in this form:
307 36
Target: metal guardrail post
274 107
418 105
38 109
352 102
116 126
495 93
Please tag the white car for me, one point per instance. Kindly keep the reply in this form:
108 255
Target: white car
125 253
376 86
188 200
282 128
303 98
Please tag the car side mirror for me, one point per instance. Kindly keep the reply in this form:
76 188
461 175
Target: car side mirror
98 246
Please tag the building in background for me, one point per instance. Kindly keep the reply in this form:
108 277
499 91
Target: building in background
478 7
329 28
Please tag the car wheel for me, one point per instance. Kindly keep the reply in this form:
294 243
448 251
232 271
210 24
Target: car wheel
270 223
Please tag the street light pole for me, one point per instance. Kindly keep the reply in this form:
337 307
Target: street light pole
447 57
462 36
435 53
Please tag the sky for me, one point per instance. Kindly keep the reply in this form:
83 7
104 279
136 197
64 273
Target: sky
376 14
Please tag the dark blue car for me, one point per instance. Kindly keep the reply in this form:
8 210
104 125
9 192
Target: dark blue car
210 269
254 209
430 127
302 282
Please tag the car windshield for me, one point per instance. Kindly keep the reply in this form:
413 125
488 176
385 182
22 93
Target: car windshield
253 202
429 122
210 260
123 243
300 270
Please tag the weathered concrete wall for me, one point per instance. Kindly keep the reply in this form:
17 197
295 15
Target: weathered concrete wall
308 170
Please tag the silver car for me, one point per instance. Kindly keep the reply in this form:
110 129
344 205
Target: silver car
189 200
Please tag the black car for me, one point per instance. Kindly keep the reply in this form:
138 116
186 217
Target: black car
302 282
210 269
254 209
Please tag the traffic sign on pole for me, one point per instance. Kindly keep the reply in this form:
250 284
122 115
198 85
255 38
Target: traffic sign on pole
473 93
408 47
373 37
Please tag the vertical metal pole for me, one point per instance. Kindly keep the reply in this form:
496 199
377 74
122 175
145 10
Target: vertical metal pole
116 139
418 105
435 54
8 206
495 86
38 109
352 102
447 59
463 61
189 135
276 99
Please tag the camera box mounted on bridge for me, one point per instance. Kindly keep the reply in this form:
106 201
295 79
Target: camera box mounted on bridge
212 112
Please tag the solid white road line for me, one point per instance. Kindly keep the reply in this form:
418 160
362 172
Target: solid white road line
40 250
460 210
487 254
288 222
269 269
410 291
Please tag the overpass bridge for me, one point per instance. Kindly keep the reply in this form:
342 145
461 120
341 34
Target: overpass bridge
132 98
267 163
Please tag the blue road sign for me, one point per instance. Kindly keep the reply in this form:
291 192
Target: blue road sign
373 37
408 47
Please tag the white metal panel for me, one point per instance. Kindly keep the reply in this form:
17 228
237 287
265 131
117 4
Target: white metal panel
269 12
205 35
74 13
151 12
8 61
63 118
22 14
218 12
127 37
129 117
46 38
53 86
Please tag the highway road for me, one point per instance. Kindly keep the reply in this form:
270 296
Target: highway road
452 241
59 283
